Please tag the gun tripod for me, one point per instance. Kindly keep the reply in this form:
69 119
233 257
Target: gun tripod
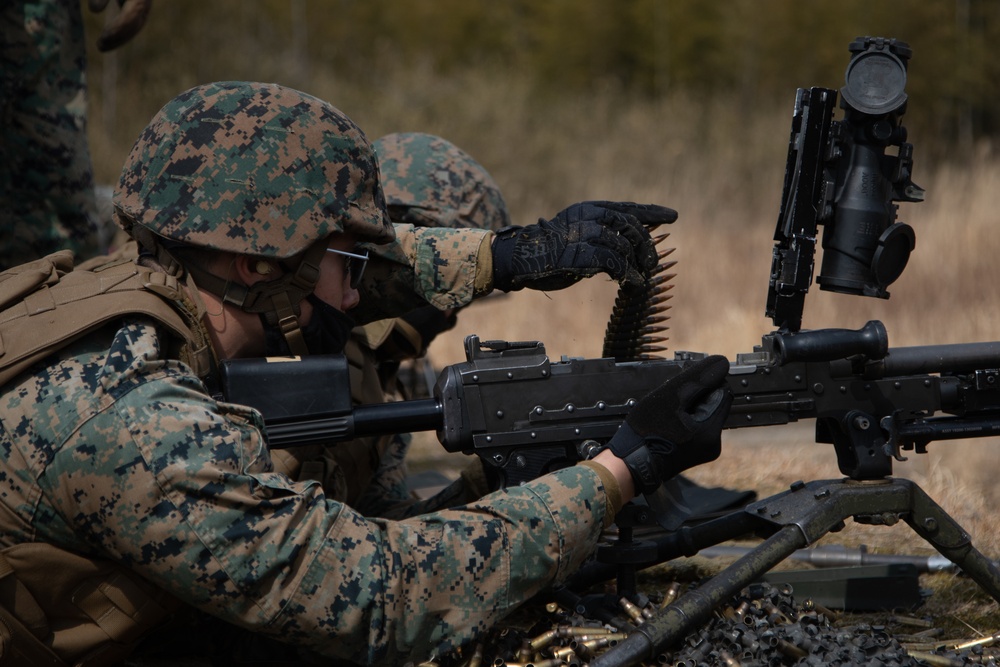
794 519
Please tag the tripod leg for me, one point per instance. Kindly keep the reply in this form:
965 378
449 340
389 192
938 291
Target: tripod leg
931 522
679 618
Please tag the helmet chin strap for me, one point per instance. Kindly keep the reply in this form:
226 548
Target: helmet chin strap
276 301
287 323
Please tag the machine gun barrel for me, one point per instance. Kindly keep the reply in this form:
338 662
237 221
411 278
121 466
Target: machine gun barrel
424 414
952 358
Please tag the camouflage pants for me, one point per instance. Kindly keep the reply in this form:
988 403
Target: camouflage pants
47 198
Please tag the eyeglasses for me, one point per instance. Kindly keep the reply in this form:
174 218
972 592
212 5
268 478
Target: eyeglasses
354 264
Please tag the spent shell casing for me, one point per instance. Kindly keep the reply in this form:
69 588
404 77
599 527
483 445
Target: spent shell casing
811 605
562 652
567 631
477 656
982 641
590 643
585 652
921 646
930 633
774 615
911 620
548 662
728 660
526 652
670 594
543 640
935 660
791 650
633 611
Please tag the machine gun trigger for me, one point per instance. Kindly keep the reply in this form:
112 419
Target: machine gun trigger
893 441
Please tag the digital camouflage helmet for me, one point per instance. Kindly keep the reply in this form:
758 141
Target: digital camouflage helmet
431 182
253 169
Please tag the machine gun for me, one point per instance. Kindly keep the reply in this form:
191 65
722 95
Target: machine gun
524 414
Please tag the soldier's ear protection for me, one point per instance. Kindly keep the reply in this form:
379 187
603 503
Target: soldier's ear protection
263 268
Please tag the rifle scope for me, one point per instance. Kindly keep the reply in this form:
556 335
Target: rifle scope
864 248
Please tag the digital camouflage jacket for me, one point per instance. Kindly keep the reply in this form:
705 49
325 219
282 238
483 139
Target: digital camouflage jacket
114 450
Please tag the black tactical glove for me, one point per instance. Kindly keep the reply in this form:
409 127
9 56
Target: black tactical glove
582 240
676 426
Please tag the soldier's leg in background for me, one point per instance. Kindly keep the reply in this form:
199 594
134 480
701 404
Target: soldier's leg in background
47 199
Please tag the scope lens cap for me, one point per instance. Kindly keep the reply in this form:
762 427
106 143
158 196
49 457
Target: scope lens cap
876 83
893 252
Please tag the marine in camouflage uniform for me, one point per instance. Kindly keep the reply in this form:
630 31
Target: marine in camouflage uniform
116 449
47 197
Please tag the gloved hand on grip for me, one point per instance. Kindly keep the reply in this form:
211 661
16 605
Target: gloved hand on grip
582 240
676 426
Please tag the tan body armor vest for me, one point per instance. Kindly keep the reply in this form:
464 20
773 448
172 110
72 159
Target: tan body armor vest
56 607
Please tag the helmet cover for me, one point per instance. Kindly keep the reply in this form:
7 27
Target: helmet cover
252 168
428 181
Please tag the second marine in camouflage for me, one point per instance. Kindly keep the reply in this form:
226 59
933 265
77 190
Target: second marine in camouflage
430 182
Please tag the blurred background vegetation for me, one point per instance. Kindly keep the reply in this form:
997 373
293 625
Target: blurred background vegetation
680 102
685 103
749 53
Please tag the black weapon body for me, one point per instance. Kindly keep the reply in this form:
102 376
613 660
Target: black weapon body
525 415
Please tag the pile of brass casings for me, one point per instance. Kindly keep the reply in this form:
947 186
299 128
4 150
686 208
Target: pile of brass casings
763 626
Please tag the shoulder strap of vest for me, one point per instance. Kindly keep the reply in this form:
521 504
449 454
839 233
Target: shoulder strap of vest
46 307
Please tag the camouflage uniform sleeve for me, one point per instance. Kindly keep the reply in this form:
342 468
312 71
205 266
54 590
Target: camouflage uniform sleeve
424 585
388 495
423 265
137 463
